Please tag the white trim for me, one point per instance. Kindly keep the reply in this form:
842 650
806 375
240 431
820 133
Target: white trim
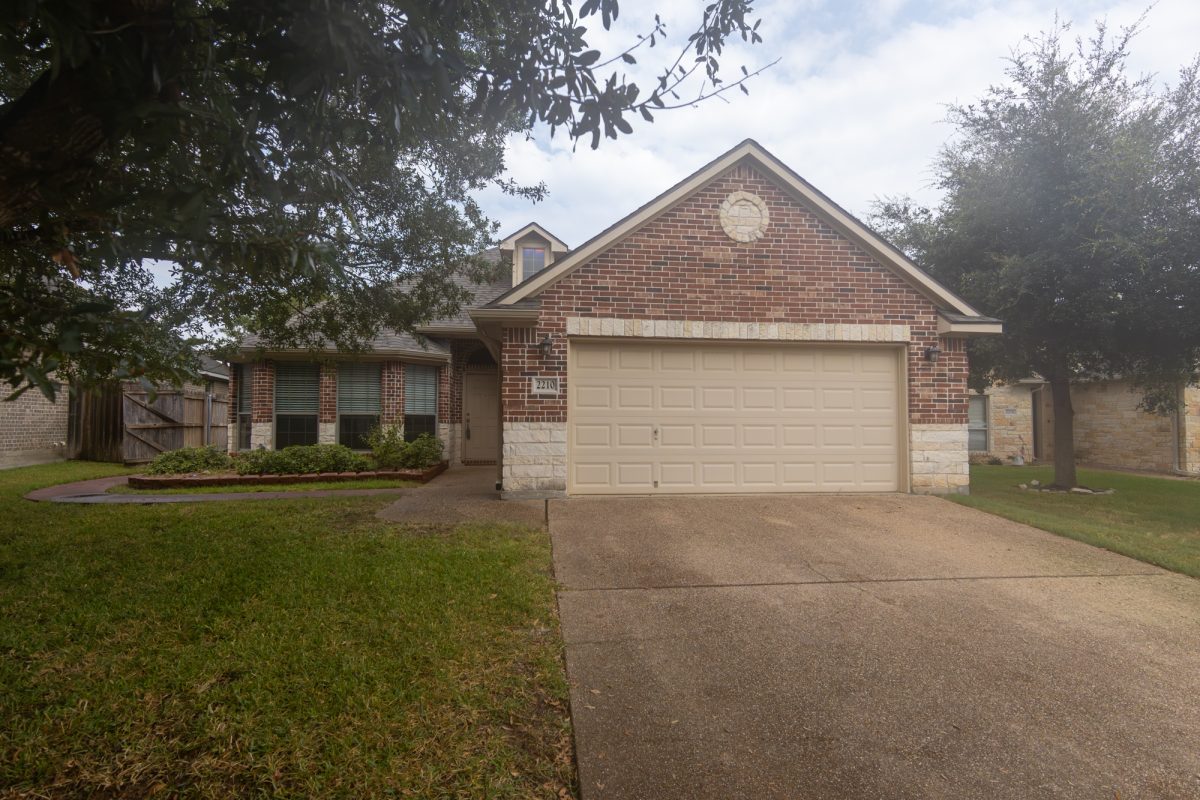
948 328
556 244
887 255
736 331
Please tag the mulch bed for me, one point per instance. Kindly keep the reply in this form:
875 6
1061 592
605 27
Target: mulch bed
190 481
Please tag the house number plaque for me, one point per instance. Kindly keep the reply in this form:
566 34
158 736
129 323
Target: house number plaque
544 386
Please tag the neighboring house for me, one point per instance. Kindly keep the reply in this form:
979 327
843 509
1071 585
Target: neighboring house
739 333
33 430
92 424
1110 429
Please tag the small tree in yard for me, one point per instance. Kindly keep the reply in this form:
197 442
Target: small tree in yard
283 156
1072 212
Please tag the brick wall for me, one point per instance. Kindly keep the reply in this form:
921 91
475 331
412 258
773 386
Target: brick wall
32 429
262 398
392 392
682 266
327 394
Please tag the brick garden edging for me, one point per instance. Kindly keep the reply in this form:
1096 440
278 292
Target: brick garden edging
191 481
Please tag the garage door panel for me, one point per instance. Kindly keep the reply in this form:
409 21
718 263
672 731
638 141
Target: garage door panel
718 398
635 474
595 475
677 398
599 435
718 474
677 360
681 474
694 418
635 435
759 399
589 397
677 435
635 398
718 436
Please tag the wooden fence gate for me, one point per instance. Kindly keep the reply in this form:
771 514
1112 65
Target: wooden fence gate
124 423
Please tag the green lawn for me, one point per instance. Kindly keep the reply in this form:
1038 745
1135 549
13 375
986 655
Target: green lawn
1156 520
365 483
295 648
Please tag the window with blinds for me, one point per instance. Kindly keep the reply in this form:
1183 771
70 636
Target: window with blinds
297 398
977 424
245 401
358 403
420 400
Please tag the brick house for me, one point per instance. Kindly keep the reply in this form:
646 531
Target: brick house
1110 428
739 333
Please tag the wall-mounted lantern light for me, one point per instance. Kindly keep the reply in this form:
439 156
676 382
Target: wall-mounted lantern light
932 353
545 344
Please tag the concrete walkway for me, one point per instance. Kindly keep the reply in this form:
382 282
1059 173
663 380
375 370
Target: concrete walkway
868 647
94 492
463 494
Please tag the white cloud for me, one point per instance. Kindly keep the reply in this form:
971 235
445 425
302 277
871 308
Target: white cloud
856 106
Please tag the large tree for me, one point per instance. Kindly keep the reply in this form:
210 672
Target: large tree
1071 210
282 156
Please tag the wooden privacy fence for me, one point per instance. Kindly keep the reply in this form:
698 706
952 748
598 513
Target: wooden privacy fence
124 422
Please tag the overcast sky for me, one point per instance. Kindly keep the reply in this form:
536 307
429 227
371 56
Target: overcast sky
855 105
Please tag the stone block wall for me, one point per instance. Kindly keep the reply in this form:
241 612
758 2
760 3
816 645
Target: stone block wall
1111 431
534 458
1189 431
33 430
1010 421
939 458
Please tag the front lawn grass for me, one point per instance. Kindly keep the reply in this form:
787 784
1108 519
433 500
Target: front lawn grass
365 483
294 648
1152 519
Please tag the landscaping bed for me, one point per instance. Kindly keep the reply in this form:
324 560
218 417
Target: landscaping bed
233 479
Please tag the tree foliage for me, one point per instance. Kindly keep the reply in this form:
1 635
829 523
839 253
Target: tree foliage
284 156
1071 211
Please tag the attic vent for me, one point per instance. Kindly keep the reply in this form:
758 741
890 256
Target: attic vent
744 217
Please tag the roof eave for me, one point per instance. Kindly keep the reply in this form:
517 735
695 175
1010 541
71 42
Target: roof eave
984 326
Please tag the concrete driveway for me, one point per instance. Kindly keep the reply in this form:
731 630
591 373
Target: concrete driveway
868 647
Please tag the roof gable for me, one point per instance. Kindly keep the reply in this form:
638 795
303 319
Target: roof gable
556 244
831 213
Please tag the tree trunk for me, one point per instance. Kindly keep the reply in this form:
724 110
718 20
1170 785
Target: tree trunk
1064 433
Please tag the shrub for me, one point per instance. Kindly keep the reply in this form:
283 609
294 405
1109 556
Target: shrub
387 445
301 460
190 459
423 452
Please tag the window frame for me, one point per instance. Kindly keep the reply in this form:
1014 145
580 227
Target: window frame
313 415
433 425
527 248
986 427
377 416
244 418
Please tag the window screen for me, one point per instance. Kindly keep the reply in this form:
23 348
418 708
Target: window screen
420 400
977 424
296 403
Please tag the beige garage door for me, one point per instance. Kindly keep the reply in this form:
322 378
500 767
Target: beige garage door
715 418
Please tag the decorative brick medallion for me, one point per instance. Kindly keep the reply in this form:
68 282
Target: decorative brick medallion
744 216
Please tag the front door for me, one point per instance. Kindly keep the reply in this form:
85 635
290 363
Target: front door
481 417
